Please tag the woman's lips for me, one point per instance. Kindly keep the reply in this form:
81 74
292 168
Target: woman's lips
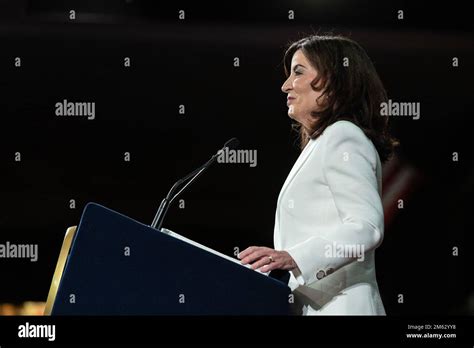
288 102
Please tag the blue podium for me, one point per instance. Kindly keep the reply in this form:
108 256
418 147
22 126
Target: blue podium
114 265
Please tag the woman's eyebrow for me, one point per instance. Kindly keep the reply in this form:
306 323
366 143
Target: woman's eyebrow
297 65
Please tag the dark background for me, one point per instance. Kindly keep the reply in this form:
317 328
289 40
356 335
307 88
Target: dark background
190 62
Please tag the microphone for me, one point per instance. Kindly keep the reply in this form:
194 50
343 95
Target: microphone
231 144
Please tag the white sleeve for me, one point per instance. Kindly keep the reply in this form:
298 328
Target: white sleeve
349 167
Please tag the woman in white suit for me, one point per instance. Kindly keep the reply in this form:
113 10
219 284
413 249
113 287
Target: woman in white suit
329 216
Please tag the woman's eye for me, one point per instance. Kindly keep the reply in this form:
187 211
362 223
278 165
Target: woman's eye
297 73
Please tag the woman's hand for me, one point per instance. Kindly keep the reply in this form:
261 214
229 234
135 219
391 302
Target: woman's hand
267 259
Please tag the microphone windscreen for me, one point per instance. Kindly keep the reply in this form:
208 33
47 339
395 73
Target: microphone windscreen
232 144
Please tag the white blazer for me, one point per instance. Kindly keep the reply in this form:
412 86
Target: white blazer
329 218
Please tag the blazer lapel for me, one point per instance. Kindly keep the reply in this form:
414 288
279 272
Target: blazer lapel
299 162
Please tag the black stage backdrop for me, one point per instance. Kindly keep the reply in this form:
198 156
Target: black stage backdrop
141 141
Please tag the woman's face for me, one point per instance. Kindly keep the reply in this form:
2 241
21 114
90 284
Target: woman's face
302 99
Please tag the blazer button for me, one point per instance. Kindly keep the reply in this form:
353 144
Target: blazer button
320 275
329 271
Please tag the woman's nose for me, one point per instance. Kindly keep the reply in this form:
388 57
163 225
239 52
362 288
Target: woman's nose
286 86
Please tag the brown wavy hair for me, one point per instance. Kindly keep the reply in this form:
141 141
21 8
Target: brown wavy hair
354 92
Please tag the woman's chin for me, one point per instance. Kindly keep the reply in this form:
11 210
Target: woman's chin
293 116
